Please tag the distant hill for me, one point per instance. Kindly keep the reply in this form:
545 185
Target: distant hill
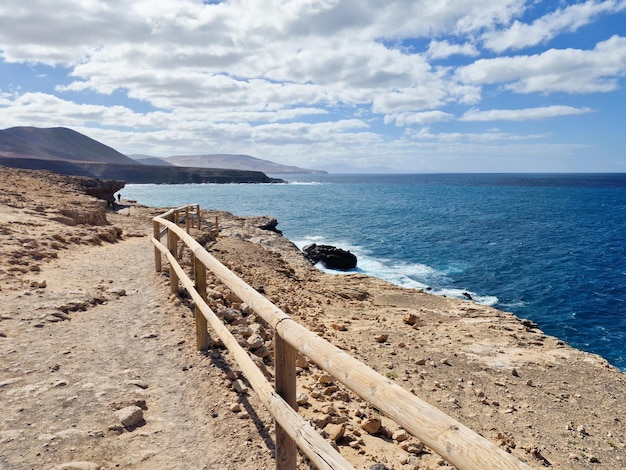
340 168
237 162
68 152
57 143
148 160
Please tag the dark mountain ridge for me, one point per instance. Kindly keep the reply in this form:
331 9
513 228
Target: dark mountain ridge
58 143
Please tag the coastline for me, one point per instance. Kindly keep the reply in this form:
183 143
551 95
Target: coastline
530 393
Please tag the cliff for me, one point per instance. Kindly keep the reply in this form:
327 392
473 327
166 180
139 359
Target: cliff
140 174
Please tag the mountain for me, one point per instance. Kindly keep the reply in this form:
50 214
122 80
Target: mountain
57 143
148 160
237 162
68 152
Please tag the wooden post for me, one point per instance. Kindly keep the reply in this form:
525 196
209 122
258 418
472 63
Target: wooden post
285 382
187 225
156 233
172 246
198 214
202 337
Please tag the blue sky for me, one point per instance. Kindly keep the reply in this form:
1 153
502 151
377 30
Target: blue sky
413 85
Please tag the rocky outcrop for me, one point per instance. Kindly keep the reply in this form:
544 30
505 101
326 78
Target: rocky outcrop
330 256
102 189
263 222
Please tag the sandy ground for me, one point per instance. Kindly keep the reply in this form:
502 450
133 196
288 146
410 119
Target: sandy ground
99 370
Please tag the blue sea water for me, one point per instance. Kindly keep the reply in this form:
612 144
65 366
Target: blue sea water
547 247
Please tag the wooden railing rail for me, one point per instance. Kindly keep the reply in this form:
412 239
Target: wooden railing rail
452 440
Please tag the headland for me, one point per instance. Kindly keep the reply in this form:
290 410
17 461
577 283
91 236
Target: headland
89 332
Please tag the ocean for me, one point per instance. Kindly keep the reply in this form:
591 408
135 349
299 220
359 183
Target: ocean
547 247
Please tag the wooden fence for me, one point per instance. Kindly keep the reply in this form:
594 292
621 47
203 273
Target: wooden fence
453 441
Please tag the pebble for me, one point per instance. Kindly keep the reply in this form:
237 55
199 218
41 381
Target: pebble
381 338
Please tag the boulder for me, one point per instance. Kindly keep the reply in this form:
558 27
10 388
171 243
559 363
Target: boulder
330 256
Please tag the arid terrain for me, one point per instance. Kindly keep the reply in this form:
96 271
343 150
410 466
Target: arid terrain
99 368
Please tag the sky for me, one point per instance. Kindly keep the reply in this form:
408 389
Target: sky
409 85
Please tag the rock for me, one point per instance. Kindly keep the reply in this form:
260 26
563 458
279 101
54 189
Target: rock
117 292
400 435
255 341
302 362
335 431
130 417
381 338
371 425
39 284
379 466
137 383
302 399
77 466
262 352
230 315
326 379
413 447
269 224
321 421
60 315
239 386
330 256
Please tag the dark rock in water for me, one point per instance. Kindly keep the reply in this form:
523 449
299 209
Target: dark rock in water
467 295
330 256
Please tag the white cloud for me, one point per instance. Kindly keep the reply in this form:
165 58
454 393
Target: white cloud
522 114
565 70
43 110
489 136
443 49
568 19
426 117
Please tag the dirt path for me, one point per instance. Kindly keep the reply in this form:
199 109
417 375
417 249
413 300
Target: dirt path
62 382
